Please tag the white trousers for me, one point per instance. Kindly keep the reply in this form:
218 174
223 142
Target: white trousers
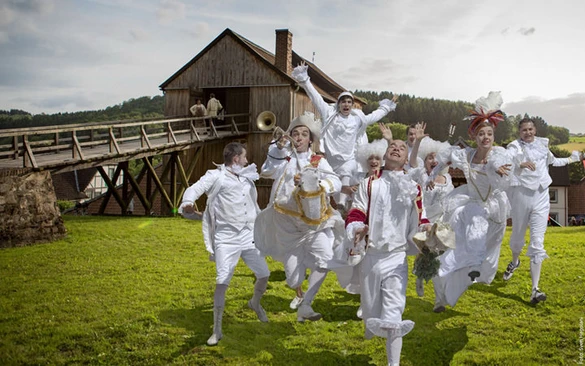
529 208
228 254
313 254
383 291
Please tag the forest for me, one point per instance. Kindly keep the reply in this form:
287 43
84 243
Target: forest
438 115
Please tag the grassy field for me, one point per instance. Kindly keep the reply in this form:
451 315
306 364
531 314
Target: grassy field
575 143
139 291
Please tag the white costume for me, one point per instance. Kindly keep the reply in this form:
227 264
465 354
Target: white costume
341 134
477 212
287 231
387 205
432 198
529 196
228 233
531 204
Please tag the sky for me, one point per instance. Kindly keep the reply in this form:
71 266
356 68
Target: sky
72 55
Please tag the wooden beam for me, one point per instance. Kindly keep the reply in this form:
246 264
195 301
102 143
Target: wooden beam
76 148
113 142
144 138
159 185
28 156
136 188
111 190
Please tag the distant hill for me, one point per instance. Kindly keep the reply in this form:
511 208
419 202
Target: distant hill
139 108
437 113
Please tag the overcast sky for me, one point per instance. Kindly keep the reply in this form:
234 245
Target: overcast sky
71 55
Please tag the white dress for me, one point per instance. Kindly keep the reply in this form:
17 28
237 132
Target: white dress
281 230
432 198
477 212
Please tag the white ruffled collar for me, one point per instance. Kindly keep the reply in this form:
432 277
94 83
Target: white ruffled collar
249 172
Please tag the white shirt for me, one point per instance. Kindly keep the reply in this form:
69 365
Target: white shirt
393 215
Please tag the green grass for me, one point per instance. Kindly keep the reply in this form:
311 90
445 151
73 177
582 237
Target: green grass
139 291
575 143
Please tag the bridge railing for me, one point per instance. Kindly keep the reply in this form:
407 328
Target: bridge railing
29 143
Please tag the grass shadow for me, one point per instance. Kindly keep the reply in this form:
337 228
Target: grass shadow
494 289
425 345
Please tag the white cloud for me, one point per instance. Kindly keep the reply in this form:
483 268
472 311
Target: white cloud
170 10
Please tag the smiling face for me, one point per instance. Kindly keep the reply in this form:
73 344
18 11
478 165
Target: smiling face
345 104
374 164
301 136
484 137
527 131
431 161
396 155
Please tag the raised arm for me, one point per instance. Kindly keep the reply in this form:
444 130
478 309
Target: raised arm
420 134
385 106
301 75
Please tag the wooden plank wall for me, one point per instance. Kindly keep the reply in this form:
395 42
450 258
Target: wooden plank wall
227 64
177 102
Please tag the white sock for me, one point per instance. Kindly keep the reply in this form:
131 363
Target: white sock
259 290
535 273
219 295
316 279
393 350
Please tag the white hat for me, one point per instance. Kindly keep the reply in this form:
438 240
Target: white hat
428 145
307 119
345 94
377 147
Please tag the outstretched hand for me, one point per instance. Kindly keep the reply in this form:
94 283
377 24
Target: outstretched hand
360 234
386 132
419 129
504 169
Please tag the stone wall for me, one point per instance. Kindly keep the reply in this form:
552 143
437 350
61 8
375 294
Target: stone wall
28 209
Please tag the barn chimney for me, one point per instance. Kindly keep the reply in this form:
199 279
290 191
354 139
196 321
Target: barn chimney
283 52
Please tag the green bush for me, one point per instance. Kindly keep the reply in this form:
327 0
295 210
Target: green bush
65 205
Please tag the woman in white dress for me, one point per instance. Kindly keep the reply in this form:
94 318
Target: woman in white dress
477 211
425 149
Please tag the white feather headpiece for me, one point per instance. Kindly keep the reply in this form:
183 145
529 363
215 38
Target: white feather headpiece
377 147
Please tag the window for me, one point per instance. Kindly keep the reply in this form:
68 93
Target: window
553 196
553 219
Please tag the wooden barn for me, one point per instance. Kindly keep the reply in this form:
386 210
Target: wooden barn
247 79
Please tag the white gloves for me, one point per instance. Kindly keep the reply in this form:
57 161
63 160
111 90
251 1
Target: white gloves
300 74
575 156
387 104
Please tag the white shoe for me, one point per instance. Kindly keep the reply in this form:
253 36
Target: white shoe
420 287
294 304
537 296
306 312
360 313
259 311
214 339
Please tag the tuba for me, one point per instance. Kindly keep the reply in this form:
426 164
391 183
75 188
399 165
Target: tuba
266 121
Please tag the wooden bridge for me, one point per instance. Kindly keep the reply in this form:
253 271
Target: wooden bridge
65 148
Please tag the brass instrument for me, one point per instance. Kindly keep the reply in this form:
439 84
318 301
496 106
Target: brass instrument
266 121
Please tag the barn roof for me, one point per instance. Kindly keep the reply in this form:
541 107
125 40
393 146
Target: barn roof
326 86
